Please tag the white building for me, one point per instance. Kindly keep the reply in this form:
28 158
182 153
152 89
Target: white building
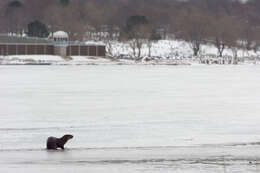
60 38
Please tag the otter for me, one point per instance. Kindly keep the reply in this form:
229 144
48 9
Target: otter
54 143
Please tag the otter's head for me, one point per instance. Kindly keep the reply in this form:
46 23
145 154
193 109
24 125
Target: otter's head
67 137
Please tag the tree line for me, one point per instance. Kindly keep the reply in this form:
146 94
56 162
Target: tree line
224 23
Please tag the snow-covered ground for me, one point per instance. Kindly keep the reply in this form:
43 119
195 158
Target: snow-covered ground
134 119
174 49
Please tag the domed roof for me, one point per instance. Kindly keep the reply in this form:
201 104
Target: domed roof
60 34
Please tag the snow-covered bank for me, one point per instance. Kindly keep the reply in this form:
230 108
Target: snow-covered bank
175 49
163 52
121 60
180 50
51 60
81 60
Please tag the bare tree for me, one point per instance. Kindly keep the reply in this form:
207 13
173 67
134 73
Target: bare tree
224 32
194 28
249 35
110 35
139 36
151 38
136 31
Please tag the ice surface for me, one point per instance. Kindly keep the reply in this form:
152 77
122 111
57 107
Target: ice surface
134 160
132 118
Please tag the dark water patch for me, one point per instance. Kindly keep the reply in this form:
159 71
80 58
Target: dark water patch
107 162
38 128
91 148
28 129
138 148
244 144
238 144
145 148
151 161
22 149
125 161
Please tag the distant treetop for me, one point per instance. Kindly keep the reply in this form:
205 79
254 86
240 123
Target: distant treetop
65 2
136 20
37 29
15 4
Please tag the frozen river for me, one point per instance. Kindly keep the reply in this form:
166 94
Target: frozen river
131 118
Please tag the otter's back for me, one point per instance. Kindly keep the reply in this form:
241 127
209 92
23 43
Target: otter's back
51 143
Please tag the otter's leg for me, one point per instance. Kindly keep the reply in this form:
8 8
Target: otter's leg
52 146
60 146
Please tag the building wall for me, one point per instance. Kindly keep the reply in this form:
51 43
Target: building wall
101 51
86 50
46 49
60 50
26 49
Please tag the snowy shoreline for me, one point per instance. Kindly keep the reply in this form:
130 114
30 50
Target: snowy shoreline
163 52
81 60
